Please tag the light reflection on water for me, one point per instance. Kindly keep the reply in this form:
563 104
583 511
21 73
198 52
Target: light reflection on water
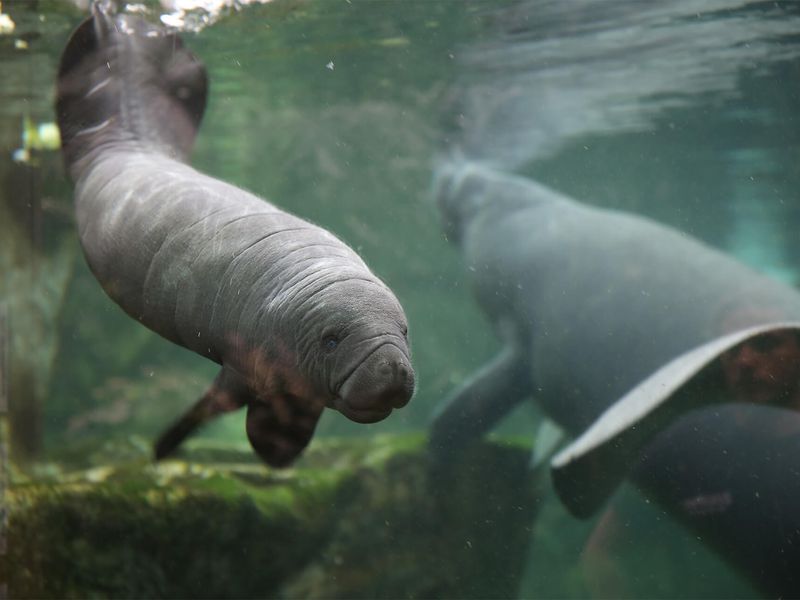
563 70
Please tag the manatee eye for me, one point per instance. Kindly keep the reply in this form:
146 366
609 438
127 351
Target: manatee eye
329 343
404 331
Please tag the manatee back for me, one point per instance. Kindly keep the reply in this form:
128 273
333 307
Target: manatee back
122 80
623 297
602 298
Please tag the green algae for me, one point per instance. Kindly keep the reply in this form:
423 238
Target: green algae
356 518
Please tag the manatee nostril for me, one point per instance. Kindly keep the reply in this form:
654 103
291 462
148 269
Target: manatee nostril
396 370
405 383
385 368
402 370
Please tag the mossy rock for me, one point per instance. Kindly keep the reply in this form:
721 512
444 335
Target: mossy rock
354 519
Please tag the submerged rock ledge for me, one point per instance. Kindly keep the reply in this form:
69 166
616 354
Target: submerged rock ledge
356 518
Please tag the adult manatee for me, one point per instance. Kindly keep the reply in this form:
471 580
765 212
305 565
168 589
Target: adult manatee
294 317
594 306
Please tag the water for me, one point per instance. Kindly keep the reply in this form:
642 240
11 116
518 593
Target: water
337 111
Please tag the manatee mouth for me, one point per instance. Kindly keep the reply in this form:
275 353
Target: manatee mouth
381 382
360 416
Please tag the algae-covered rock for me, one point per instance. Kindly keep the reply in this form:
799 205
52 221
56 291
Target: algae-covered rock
355 518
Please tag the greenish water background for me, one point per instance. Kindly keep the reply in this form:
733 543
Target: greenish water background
352 148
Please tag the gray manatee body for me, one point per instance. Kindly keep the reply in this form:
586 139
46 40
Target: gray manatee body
731 474
607 319
293 315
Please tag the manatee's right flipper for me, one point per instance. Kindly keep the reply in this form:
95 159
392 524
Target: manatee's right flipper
482 401
227 393
280 427
588 470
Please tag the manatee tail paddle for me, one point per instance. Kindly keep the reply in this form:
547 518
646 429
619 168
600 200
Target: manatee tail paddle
121 79
587 471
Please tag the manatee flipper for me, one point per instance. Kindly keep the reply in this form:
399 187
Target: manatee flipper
281 427
480 402
226 394
589 469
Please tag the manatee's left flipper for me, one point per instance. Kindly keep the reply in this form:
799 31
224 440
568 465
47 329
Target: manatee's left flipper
227 393
587 471
482 401
280 427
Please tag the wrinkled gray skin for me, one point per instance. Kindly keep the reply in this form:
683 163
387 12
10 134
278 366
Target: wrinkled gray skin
587 303
293 315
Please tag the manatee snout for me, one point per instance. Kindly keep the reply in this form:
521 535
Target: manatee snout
382 382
